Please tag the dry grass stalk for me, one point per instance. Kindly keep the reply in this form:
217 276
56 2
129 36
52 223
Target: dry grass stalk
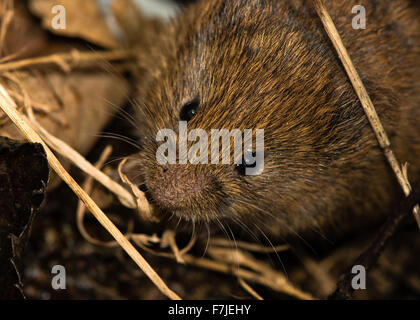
190 244
23 124
254 247
326 283
229 261
29 103
76 158
6 20
168 238
38 106
67 61
249 289
266 277
81 209
143 206
365 100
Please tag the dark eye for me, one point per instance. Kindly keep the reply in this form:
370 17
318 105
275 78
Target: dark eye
247 162
189 110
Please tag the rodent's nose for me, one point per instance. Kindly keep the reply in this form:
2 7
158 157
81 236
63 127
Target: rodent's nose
176 187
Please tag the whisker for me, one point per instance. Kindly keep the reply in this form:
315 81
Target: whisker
120 138
246 228
177 225
121 113
112 134
275 252
283 223
223 228
118 159
208 238
234 241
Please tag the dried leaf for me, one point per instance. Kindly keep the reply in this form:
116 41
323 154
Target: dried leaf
22 35
84 19
81 103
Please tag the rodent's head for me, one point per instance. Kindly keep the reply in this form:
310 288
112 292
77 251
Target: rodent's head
251 65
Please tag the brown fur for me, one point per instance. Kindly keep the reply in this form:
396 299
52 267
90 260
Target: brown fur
269 64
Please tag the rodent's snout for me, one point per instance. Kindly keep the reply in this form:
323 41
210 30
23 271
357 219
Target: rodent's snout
176 188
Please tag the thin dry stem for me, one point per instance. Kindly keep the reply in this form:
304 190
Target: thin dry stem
6 20
81 209
249 289
269 280
249 246
77 159
142 204
168 238
325 281
29 103
67 61
229 261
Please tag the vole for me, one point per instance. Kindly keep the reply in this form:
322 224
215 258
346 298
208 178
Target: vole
267 64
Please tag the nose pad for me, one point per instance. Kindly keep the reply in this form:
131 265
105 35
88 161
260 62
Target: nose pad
177 185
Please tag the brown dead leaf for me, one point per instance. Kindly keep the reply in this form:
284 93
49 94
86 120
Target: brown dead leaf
84 19
77 105
20 34
80 103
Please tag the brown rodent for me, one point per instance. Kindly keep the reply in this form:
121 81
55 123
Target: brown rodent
269 64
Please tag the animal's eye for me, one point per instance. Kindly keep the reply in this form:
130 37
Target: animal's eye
247 162
189 110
